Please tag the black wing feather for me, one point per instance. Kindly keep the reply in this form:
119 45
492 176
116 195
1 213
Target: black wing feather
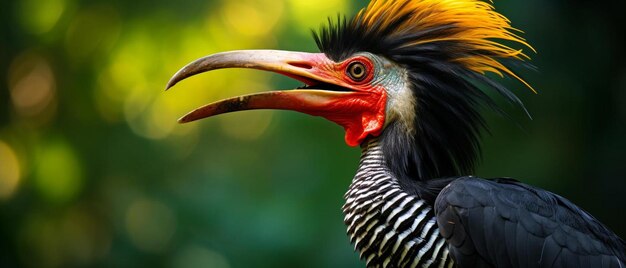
505 223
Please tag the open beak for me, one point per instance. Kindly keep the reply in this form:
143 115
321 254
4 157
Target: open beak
325 94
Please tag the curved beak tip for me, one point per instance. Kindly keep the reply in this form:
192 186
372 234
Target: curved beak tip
184 119
180 75
173 81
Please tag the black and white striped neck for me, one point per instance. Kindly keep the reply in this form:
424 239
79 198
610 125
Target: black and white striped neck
387 225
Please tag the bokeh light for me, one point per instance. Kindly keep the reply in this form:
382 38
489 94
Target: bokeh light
32 85
9 171
40 16
58 173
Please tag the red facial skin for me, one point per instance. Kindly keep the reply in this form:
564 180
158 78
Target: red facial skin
361 113
360 110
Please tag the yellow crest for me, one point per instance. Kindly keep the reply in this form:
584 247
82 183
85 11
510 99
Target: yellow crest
477 25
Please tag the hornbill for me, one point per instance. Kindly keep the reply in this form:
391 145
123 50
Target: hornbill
405 79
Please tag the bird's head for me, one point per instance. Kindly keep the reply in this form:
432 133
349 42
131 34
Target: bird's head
408 71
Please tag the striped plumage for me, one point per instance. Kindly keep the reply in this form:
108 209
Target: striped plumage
389 227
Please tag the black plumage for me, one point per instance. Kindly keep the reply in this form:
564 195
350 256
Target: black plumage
505 223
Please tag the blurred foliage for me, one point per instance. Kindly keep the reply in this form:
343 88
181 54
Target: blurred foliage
94 170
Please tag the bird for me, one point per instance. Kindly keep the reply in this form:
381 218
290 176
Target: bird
407 79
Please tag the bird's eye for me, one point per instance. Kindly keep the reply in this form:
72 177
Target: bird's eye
357 71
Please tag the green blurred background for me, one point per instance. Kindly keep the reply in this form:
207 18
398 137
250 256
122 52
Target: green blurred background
95 171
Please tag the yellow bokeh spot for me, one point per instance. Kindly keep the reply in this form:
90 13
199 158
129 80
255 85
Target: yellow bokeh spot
125 71
9 171
150 224
40 16
253 18
58 174
124 78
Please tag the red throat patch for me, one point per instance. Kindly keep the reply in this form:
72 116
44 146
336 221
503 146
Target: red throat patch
361 115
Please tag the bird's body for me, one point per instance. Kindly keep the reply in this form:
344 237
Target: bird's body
406 78
507 223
